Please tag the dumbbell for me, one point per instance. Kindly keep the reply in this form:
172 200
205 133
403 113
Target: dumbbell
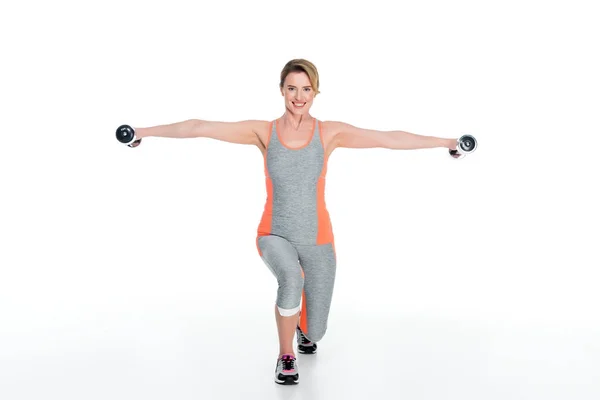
466 145
126 135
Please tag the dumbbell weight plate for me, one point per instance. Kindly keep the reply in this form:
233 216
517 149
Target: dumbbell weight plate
125 134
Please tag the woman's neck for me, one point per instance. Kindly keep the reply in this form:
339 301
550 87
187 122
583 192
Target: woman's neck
294 121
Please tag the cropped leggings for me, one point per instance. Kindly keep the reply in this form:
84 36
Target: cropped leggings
305 276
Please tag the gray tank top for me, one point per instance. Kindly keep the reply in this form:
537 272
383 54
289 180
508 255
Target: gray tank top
295 177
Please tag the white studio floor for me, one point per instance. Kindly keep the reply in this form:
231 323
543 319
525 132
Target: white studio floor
170 356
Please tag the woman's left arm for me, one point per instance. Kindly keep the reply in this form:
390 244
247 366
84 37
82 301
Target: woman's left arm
349 136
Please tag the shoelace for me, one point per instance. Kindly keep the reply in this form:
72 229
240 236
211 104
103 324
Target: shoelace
288 363
303 338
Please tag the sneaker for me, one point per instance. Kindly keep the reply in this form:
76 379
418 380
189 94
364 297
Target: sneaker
305 346
286 371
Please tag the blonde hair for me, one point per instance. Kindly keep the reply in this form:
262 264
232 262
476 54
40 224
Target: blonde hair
301 65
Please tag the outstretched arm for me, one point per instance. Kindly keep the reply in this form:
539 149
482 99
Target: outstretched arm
241 132
178 130
346 135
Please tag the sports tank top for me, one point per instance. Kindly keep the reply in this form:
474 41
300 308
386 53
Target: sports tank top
295 178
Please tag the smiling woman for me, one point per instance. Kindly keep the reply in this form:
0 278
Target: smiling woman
294 86
295 236
299 85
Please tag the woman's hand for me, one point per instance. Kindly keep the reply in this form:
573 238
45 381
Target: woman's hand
452 143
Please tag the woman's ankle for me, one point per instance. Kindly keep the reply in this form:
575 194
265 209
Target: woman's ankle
290 353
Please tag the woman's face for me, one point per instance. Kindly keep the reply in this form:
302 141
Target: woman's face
298 93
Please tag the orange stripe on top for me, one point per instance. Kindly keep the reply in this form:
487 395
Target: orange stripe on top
325 230
264 227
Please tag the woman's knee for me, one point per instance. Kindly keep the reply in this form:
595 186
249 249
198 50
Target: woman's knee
316 333
289 293
290 279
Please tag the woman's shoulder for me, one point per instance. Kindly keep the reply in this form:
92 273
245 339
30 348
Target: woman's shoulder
331 128
262 129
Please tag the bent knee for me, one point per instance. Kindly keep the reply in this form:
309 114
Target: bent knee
291 279
316 334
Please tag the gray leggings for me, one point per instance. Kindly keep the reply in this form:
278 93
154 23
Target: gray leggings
305 274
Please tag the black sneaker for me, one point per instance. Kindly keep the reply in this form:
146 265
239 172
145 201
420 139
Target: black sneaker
305 346
286 371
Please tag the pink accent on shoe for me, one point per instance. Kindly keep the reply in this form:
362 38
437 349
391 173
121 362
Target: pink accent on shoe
288 357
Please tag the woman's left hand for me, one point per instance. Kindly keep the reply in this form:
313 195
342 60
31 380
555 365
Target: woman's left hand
452 143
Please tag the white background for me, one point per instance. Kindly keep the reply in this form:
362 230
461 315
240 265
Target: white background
133 273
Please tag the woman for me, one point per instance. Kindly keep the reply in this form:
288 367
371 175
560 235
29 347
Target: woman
295 238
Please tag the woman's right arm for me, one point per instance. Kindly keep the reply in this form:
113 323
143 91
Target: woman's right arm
242 132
